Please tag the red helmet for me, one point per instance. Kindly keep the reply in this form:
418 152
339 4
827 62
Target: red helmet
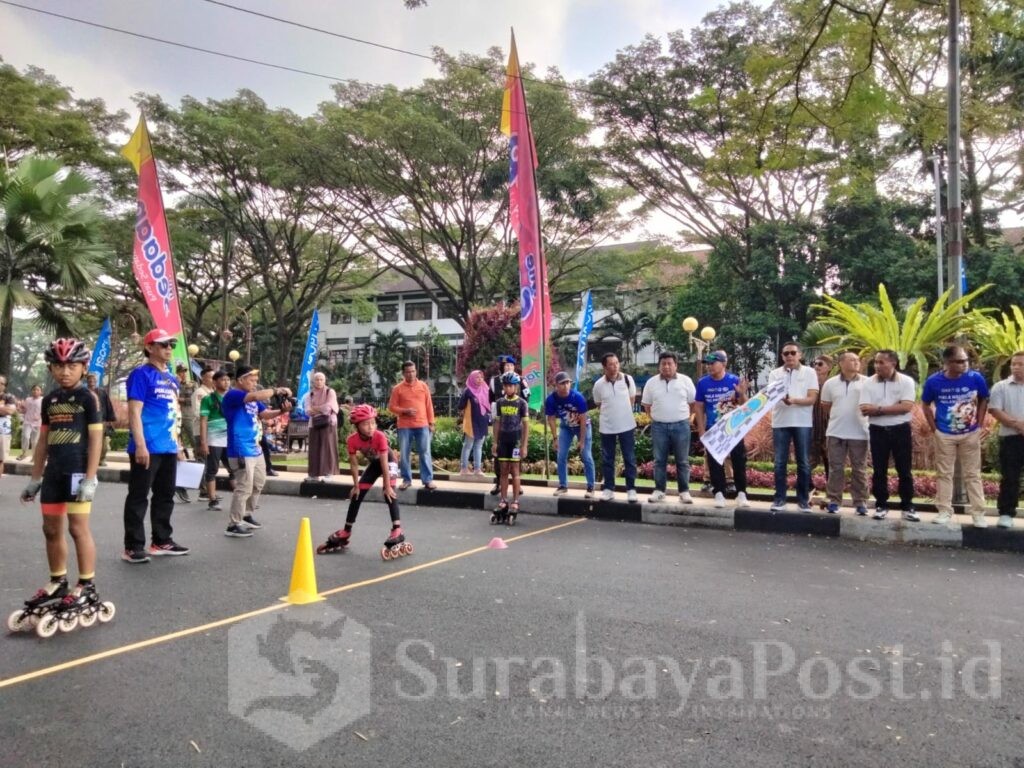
67 351
362 412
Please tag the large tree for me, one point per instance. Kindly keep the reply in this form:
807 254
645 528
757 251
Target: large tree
420 177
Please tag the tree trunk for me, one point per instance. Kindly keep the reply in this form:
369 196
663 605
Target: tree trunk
6 340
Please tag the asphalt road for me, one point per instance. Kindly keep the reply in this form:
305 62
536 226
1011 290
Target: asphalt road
584 645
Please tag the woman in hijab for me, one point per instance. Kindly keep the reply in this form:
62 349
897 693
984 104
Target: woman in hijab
475 404
322 406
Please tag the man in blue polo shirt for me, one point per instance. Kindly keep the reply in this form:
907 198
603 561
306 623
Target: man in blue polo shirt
719 392
955 402
570 408
245 409
153 451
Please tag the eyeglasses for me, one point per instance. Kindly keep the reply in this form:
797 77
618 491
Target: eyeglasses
789 352
166 344
820 364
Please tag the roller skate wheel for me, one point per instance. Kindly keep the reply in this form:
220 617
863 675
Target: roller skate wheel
385 553
106 612
494 519
47 626
67 623
89 618
322 549
18 621
408 548
511 520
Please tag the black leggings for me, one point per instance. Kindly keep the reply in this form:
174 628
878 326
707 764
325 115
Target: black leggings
369 477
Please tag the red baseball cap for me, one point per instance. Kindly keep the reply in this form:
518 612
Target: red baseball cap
157 335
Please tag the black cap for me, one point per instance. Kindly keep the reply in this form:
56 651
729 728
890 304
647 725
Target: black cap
245 370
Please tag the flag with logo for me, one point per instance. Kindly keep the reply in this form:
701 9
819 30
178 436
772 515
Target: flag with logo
586 326
101 353
308 363
734 425
524 216
152 263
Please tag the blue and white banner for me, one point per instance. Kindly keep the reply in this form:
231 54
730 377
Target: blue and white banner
586 326
101 353
308 364
733 426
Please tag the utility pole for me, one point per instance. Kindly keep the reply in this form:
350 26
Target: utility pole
954 214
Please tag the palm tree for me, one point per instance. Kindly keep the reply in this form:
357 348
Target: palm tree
634 330
917 335
999 340
387 352
49 251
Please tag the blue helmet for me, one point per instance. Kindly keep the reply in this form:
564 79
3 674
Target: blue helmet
506 359
510 377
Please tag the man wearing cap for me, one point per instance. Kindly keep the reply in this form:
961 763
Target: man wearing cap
666 399
244 408
719 392
153 451
570 408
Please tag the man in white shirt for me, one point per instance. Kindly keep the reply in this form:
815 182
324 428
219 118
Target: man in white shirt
1007 407
792 421
666 399
847 434
614 394
887 399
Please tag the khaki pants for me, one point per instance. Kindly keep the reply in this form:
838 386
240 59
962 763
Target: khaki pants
250 475
839 449
968 449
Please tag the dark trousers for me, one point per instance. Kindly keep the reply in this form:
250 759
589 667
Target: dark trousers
159 478
366 481
739 470
1011 464
627 442
895 441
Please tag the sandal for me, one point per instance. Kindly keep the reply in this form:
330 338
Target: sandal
431 486
405 485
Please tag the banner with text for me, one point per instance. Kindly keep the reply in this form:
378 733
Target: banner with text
733 426
308 364
586 326
101 353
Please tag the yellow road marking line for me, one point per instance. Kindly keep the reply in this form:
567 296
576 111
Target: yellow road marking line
123 649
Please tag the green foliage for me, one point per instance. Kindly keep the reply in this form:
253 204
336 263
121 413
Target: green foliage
998 339
490 332
387 352
917 335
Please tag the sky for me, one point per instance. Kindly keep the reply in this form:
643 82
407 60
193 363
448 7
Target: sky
576 36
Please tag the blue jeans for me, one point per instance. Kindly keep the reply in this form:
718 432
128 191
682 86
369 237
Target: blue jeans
421 437
671 437
801 439
627 442
565 438
476 445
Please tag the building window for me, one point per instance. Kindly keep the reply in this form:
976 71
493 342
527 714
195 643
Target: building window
447 311
340 315
387 313
420 310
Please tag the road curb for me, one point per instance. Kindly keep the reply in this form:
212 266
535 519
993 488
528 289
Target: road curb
844 525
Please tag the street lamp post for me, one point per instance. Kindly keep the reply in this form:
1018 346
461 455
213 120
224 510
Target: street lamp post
227 335
699 345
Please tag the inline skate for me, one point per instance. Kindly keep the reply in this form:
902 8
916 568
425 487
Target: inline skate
37 606
79 608
396 546
500 514
336 542
513 513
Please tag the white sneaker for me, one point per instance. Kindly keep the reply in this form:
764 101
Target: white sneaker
778 506
719 499
686 498
980 521
1005 521
607 494
656 497
741 501
631 496
944 518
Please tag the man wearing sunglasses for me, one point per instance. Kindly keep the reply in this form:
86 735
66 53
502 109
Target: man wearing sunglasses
153 451
955 402
792 421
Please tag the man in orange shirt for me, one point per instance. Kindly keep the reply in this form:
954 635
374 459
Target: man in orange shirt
411 403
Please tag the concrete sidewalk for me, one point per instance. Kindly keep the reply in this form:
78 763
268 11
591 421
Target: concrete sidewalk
472 493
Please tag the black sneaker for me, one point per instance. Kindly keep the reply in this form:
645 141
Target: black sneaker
168 548
214 505
251 522
238 531
182 495
134 556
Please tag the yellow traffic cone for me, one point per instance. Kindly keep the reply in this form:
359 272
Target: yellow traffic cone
303 587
